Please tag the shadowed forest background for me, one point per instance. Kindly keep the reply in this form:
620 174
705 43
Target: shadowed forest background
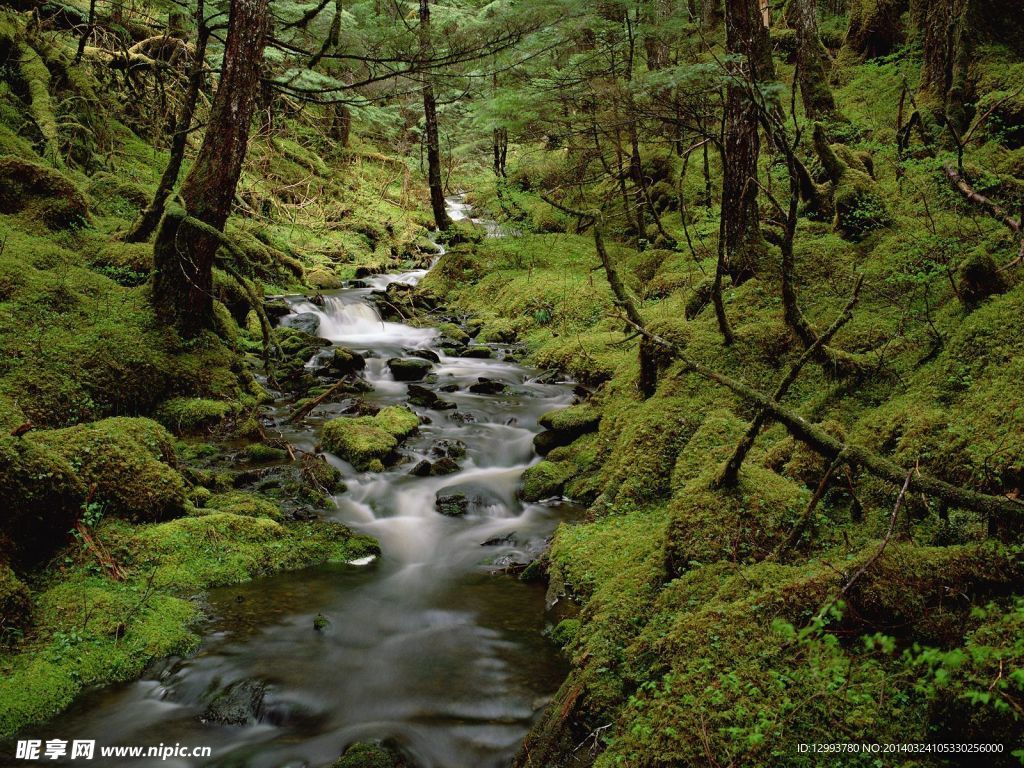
778 245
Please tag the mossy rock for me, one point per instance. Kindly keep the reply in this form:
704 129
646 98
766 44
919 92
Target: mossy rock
318 475
261 453
41 193
189 415
322 279
546 479
364 755
397 420
360 441
576 419
127 461
345 360
978 278
15 602
245 504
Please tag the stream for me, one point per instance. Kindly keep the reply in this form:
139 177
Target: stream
430 647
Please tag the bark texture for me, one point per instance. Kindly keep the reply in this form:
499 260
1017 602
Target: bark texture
434 177
813 61
747 37
183 255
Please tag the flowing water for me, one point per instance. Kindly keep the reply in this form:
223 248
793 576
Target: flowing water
428 647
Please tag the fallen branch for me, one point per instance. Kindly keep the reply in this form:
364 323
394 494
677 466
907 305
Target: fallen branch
729 475
852 454
301 411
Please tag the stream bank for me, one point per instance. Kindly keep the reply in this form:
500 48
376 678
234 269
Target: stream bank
430 648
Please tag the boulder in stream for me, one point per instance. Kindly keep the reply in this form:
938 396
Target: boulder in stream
425 354
452 504
366 755
238 704
409 368
307 322
426 398
485 386
477 351
345 360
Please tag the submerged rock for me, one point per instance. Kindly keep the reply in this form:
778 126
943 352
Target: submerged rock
409 368
363 755
425 354
238 704
454 449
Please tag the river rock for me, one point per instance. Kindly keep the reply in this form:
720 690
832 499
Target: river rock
454 449
345 360
452 504
307 322
449 388
421 469
477 351
366 755
500 541
425 354
238 704
467 497
409 368
444 466
365 271
485 386
426 398
358 284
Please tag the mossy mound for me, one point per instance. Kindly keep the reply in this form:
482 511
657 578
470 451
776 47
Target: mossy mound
41 194
360 441
244 504
126 462
738 524
546 479
398 421
189 415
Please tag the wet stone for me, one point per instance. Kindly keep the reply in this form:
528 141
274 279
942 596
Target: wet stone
238 704
452 504
485 386
409 368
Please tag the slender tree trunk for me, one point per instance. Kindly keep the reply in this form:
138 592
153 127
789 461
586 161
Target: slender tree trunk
746 36
812 61
147 221
434 176
183 255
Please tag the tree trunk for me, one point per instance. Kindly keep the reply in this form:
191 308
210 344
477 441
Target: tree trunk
434 177
711 14
184 256
874 29
147 221
812 61
740 229
946 31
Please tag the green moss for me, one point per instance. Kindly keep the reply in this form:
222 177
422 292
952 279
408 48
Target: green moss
244 504
186 415
363 755
397 420
738 524
576 419
15 603
544 480
41 194
360 441
261 453
127 464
